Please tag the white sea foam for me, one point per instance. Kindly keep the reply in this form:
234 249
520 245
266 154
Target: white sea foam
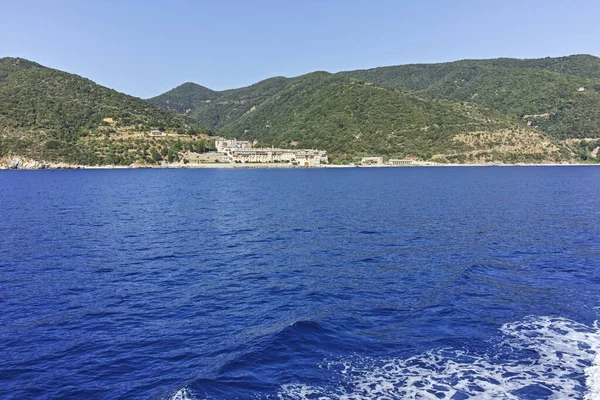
183 394
592 373
549 357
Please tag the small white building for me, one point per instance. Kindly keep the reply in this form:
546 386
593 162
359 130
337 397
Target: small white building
223 144
397 161
372 161
308 158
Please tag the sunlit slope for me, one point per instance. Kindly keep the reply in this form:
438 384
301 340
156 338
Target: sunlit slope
352 118
53 115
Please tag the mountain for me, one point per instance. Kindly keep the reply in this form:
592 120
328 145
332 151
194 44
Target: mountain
184 97
352 118
561 96
54 115
232 104
214 109
545 110
420 77
555 100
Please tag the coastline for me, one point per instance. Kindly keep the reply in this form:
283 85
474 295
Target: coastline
26 164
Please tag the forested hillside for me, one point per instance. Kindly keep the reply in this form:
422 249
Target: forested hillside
50 114
506 110
561 96
215 109
185 97
558 99
352 118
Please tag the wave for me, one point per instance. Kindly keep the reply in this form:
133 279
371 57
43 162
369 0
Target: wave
183 394
283 342
535 358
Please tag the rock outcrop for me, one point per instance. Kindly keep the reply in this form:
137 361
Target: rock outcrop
17 162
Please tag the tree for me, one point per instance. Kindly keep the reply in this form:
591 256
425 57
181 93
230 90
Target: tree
155 155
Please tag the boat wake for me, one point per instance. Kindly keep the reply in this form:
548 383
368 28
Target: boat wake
183 394
536 358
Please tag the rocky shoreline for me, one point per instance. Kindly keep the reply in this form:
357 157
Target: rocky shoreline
21 163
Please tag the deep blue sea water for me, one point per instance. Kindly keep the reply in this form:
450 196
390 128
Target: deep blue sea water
408 283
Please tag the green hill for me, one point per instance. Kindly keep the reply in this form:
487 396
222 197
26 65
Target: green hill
184 97
232 104
561 96
352 118
420 77
557 99
508 110
57 116
214 109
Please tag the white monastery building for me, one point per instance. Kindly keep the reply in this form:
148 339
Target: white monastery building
372 161
396 161
239 151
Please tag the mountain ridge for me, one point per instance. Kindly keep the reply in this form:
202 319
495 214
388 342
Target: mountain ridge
525 61
61 117
559 97
475 111
184 96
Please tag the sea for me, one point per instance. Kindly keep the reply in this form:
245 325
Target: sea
354 283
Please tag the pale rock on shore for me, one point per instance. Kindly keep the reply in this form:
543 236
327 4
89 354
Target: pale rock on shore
22 163
26 163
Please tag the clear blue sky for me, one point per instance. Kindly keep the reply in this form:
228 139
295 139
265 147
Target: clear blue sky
145 47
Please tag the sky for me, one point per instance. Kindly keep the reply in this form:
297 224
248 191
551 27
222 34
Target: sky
146 47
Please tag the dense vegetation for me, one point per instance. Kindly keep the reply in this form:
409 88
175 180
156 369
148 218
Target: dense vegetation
420 77
561 96
351 118
423 109
507 110
220 108
106 150
59 116
185 97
